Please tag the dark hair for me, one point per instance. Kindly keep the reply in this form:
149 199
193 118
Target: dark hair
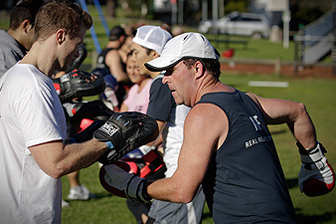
116 32
212 66
56 15
26 9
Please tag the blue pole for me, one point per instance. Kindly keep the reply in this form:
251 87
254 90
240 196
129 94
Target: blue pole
102 17
92 30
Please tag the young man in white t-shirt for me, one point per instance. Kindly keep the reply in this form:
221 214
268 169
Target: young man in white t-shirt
32 123
33 154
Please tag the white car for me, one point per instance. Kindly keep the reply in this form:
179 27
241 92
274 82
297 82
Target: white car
244 24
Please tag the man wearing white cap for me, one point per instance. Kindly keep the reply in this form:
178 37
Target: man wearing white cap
227 146
147 45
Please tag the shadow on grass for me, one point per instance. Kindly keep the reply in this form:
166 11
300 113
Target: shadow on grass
292 183
101 195
206 215
278 132
314 219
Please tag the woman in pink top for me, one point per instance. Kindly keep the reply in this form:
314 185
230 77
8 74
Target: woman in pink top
138 95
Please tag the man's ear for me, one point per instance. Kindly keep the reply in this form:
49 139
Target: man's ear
122 39
199 69
60 36
154 54
26 26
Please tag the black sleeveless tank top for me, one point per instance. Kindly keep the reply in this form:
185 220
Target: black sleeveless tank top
101 57
245 182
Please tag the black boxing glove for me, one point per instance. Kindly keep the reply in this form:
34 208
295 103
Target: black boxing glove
78 83
116 179
123 132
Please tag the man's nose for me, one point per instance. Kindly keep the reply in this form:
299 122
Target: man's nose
133 57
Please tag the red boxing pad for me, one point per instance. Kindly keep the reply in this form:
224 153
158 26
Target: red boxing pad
58 88
148 164
85 123
315 187
153 162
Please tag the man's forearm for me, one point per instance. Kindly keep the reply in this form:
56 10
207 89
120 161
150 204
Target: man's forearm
167 190
303 128
83 154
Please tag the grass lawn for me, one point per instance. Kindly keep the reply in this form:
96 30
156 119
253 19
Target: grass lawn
318 96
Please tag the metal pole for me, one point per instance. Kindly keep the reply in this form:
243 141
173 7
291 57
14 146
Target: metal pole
221 9
92 29
286 17
174 12
180 12
215 10
215 15
286 21
204 10
102 17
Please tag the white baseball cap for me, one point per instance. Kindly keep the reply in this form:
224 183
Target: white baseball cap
187 45
152 37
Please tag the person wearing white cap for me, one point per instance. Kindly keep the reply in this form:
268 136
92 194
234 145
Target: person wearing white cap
227 146
147 45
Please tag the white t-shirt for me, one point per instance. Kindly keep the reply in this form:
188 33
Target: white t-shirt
173 138
162 107
30 114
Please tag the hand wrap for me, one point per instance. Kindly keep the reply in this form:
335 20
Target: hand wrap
316 176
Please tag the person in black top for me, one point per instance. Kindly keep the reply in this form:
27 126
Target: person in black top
113 68
110 58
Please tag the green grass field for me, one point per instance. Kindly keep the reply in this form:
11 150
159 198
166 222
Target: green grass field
317 94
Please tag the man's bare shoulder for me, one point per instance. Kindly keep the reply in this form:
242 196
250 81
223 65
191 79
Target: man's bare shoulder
112 53
112 57
206 115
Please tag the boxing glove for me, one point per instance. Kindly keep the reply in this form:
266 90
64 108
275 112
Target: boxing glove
78 83
124 132
118 181
316 176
